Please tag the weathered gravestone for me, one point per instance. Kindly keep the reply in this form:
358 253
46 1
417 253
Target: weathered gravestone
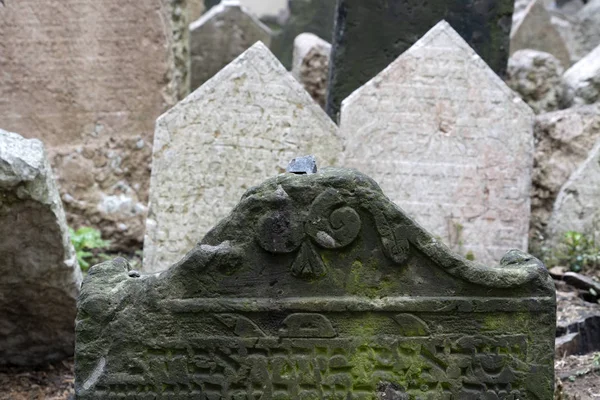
449 142
221 35
240 127
582 80
40 275
318 287
310 65
370 34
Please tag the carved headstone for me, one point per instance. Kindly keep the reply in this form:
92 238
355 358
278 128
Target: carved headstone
310 65
370 34
240 127
318 287
221 35
449 142
40 274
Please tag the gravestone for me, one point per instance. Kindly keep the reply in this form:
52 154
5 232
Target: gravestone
240 127
582 80
40 274
310 65
449 142
317 286
219 36
370 34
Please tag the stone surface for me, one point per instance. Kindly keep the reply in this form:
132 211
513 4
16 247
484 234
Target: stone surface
310 65
588 19
261 8
243 125
563 140
221 35
318 286
370 34
86 74
578 325
582 80
536 32
40 275
537 77
449 142
303 165
195 9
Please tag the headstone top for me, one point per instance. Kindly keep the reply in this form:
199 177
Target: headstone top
303 44
21 159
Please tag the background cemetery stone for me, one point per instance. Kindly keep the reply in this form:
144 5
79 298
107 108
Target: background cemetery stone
219 36
89 78
370 34
261 8
582 80
318 286
241 126
310 65
40 275
449 142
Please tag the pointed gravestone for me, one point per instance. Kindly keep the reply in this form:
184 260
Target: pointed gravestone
535 31
238 128
219 36
310 65
449 142
317 286
370 34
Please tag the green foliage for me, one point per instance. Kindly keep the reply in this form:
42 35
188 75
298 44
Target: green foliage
577 251
86 240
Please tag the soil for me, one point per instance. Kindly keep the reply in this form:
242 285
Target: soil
50 382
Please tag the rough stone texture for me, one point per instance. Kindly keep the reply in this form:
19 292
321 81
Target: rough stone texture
536 31
563 140
576 208
370 34
582 80
578 325
84 73
40 275
318 286
243 125
449 142
588 19
310 65
537 77
222 34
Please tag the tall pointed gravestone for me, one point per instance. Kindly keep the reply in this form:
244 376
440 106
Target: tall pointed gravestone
317 286
370 34
240 127
449 142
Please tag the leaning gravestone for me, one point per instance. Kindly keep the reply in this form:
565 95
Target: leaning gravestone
310 65
449 142
219 36
582 80
317 286
370 34
240 127
40 274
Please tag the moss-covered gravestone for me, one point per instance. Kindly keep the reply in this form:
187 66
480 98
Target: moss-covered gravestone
318 287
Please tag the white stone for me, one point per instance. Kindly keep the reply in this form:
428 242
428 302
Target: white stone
240 127
40 274
219 36
582 80
310 65
449 142
304 44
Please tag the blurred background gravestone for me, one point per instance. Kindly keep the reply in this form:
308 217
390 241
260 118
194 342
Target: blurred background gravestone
310 65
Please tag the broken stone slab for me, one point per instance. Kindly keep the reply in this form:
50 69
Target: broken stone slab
310 280
310 65
582 80
221 35
434 120
580 281
243 125
578 325
537 77
40 274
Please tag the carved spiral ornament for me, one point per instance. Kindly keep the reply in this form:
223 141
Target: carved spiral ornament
332 224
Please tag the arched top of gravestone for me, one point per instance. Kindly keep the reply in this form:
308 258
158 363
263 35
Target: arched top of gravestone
442 35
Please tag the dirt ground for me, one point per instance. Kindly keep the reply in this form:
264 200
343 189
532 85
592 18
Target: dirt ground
52 382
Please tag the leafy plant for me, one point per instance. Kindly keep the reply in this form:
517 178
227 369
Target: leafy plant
577 251
85 240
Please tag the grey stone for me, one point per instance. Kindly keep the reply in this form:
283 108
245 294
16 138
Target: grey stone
582 80
370 34
449 142
588 19
221 35
243 125
318 286
310 65
40 273
537 77
303 165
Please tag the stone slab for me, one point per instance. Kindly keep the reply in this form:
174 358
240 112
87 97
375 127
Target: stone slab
310 65
241 126
582 80
370 34
449 142
40 274
317 286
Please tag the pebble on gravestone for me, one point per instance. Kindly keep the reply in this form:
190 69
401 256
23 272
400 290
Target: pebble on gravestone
303 165
318 286
40 273
582 80
449 142
310 65
219 36
370 34
240 127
